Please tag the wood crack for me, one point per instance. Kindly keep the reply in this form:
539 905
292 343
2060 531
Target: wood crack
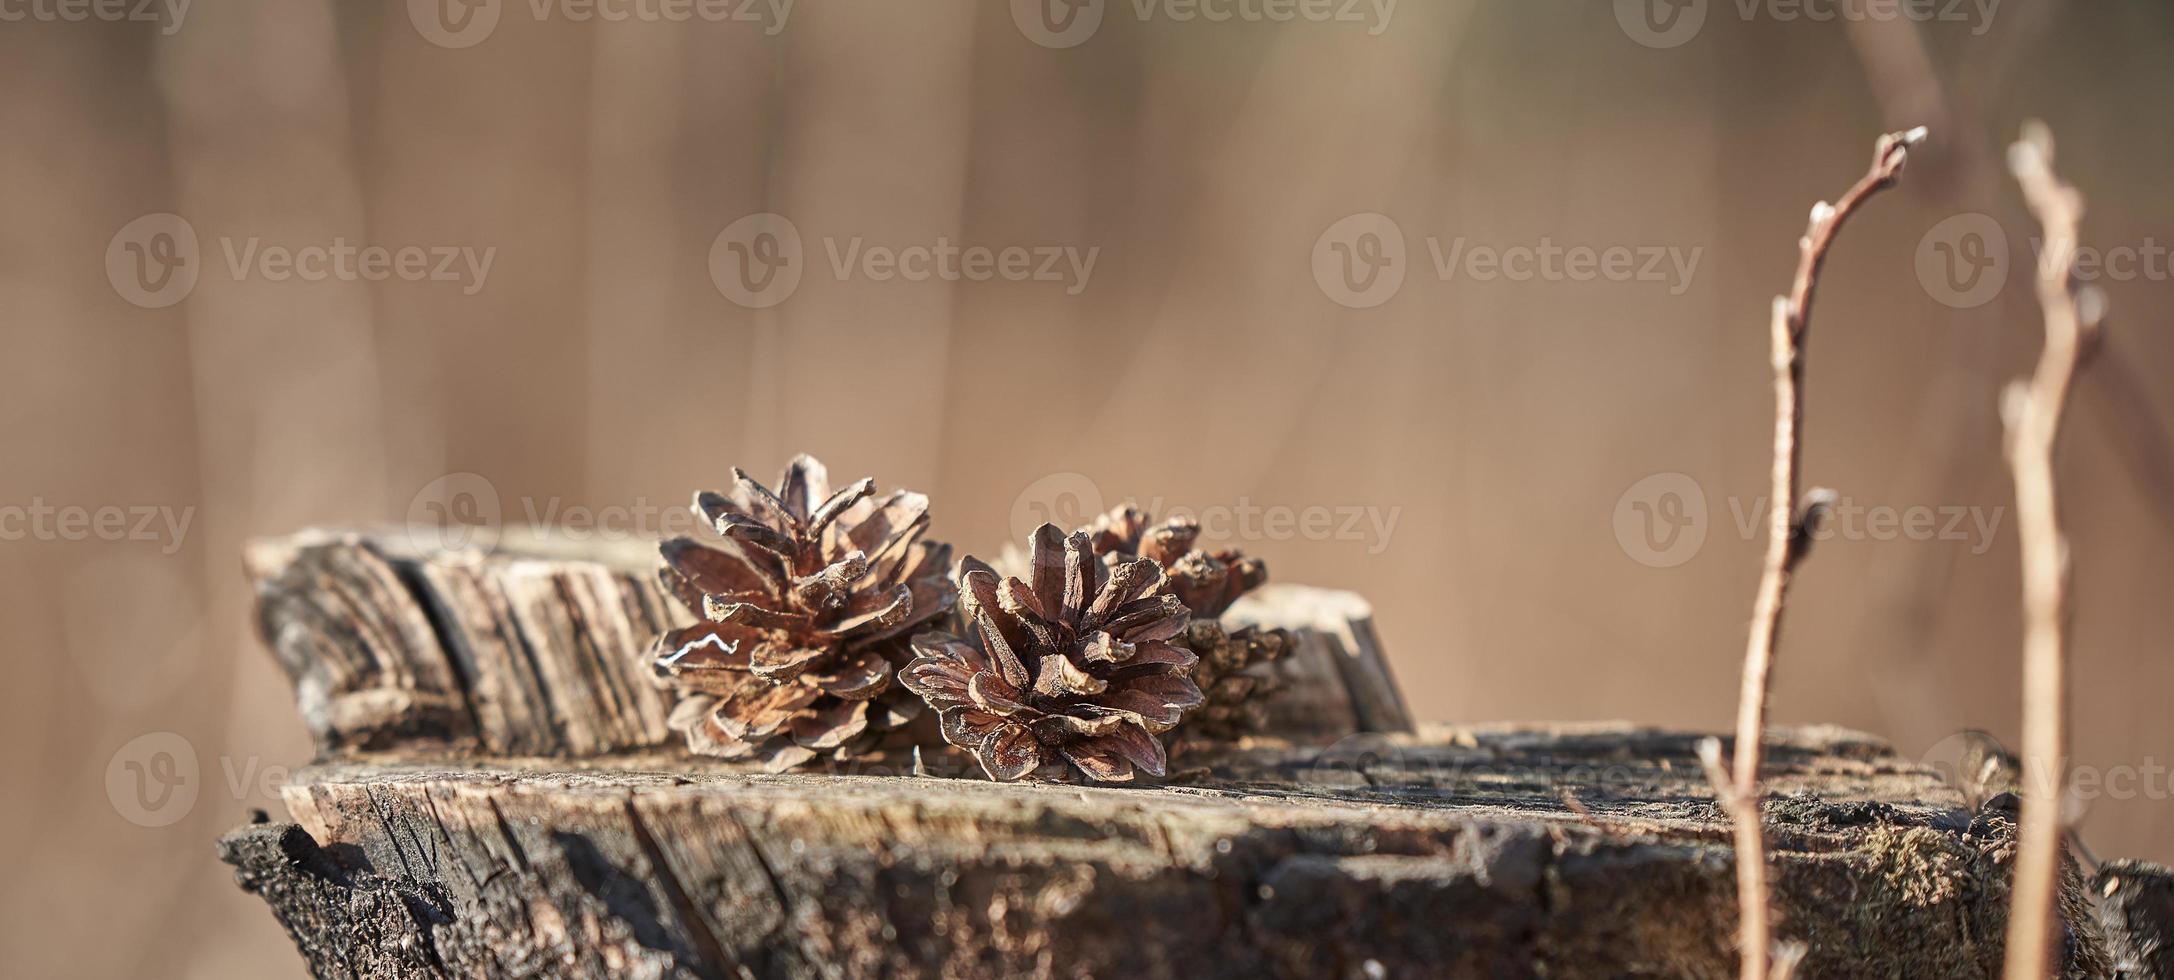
1449 863
713 954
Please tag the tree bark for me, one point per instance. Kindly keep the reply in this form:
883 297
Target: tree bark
520 646
496 796
1560 853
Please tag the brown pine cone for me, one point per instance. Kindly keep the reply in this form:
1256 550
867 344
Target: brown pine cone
1076 667
806 603
1236 694
1208 582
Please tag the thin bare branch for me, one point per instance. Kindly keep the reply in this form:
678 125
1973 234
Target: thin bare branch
2032 410
1792 522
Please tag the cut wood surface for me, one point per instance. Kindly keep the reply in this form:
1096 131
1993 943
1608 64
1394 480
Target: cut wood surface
1593 852
496 796
536 647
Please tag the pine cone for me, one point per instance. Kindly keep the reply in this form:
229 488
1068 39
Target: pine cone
1236 694
1208 582
806 605
1077 666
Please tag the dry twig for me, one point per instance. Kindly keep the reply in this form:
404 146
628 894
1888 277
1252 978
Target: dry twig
1793 521
2032 410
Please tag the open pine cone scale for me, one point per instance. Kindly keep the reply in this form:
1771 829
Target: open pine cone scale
804 601
1079 665
1208 581
1233 673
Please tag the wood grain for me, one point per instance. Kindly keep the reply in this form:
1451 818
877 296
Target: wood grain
497 796
1561 852
521 646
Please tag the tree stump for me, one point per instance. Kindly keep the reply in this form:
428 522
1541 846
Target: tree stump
496 796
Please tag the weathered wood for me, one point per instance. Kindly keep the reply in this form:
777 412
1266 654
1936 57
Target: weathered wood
2136 912
365 662
537 648
500 799
1337 682
527 648
1593 852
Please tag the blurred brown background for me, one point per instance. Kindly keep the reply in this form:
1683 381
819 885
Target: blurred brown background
1500 424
